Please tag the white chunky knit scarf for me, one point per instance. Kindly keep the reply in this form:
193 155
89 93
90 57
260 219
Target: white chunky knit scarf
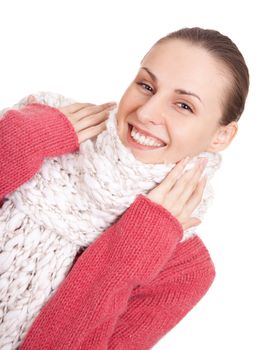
65 206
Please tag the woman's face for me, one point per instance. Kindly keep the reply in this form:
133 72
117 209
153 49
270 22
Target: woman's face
172 107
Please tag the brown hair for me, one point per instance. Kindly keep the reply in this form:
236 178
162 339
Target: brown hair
224 50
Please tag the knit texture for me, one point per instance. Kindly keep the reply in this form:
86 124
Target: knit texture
68 203
22 152
155 308
127 289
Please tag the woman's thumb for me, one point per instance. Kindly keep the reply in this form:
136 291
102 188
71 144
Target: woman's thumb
192 222
31 99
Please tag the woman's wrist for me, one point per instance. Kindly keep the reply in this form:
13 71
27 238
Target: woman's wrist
48 129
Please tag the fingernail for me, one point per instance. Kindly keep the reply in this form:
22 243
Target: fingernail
109 108
183 160
204 179
186 159
203 161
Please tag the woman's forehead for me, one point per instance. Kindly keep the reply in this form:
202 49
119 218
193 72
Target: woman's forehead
177 56
182 65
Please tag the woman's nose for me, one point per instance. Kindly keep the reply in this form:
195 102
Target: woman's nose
151 111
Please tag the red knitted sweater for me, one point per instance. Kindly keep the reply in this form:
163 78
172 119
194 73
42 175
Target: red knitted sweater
134 283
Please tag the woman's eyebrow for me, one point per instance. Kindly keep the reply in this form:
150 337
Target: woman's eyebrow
178 91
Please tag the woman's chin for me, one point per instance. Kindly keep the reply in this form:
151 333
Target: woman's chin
147 156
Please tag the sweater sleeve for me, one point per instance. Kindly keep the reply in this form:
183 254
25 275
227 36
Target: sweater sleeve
96 291
27 136
155 308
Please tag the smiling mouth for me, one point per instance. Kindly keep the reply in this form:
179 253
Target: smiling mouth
142 139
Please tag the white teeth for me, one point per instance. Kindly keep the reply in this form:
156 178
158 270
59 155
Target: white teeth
144 140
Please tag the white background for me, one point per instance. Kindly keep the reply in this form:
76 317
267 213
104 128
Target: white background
90 51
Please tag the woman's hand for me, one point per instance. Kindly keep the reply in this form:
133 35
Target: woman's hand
87 119
181 194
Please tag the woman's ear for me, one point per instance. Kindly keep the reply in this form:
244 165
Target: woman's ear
223 137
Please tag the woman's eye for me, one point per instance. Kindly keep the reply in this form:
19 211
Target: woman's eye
185 106
150 89
145 86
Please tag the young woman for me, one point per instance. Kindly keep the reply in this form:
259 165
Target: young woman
135 282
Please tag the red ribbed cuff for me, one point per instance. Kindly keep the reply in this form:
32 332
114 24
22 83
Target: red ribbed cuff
58 135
